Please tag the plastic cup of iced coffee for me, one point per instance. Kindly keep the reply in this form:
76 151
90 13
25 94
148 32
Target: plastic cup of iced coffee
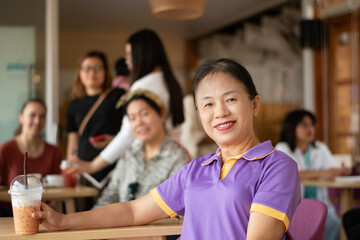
25 201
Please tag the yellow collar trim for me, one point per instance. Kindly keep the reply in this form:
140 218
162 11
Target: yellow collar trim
236 157
256 158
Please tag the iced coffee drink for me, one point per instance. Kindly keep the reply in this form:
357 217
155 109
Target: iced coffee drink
25 201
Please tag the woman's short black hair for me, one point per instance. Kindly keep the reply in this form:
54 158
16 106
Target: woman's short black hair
225 65
292 120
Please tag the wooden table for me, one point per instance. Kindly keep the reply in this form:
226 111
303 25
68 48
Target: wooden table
346 194
155 230
60 195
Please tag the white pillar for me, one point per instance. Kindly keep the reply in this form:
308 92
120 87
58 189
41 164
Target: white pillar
307 13
52 69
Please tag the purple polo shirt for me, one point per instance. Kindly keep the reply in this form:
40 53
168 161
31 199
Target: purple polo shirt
217 200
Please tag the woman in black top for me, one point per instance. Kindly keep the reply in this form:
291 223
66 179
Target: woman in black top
92 79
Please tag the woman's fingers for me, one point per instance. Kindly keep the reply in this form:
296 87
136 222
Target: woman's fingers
49 218
43 213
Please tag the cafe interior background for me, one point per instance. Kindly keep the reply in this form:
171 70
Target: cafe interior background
301 53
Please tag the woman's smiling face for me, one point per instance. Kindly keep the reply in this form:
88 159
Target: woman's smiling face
33 118
225 109
146 124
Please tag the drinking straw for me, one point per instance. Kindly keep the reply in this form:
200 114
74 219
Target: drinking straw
25 171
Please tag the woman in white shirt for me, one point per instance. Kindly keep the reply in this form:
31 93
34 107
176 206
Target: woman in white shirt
314 161
150 70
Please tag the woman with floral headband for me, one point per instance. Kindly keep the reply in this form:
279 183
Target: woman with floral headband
153 156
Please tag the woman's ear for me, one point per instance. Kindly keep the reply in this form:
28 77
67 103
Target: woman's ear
20 117
256 105
163 115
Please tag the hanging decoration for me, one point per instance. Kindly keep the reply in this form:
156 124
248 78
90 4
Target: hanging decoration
178 9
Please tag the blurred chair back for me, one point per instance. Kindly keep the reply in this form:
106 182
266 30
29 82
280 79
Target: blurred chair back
308 221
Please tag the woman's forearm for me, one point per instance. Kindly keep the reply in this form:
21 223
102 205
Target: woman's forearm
315 174
72 146
309 174
113 215
119 144
97 164
140 211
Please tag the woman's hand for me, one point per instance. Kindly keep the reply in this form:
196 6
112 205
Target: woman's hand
346 171
80 166
335 172
101 144
49 218
331 173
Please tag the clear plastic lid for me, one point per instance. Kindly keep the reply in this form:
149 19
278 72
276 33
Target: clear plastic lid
17 185
64 165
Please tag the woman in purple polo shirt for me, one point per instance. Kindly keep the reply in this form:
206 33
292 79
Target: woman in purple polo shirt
246 190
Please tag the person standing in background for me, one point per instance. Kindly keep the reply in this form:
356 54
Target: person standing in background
122 79
315 161
93 100
150 70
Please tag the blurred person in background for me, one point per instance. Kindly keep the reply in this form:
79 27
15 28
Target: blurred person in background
43 157
315 161
92 118
150 70
122 79
153 156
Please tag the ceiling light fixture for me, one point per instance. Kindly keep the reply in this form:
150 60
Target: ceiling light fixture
178 9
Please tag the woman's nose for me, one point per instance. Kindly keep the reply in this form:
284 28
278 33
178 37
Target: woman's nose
36 119
138 121
221 111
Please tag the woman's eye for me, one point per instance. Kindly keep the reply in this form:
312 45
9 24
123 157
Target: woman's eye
230 99
207 105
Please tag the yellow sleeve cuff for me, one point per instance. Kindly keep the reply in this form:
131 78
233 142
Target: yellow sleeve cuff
270 212
156 196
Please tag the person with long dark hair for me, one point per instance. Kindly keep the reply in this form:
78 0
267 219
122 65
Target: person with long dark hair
122 78
92 112
314 159
245 190
150 70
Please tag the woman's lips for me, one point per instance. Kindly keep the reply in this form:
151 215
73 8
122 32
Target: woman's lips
225 125
142 130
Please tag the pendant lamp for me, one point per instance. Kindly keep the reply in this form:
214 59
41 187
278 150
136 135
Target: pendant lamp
178 9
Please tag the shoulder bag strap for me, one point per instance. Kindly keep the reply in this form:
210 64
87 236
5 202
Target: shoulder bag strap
92 110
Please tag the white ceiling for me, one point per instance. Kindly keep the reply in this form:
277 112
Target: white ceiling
131 15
